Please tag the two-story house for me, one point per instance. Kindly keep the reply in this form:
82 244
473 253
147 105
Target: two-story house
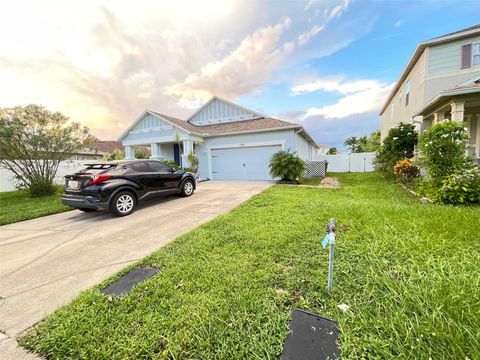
441 81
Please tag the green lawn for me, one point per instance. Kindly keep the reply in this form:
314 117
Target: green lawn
314 181
18 206
409 272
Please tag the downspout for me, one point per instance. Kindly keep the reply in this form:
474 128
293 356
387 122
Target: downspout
295 139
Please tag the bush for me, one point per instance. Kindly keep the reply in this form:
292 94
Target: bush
172 164
286 165
193 160
461 188
398 144
405 170
443 148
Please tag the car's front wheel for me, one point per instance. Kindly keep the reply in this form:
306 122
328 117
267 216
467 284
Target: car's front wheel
123 204
188 188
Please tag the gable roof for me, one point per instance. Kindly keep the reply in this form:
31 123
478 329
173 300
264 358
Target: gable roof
260 124
466 32
215 97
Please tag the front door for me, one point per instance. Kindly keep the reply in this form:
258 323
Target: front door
176 154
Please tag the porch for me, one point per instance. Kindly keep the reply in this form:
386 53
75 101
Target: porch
465 108
176 151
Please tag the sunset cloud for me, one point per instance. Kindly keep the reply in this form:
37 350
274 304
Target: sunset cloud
245 69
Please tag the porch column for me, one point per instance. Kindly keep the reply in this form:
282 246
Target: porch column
458 109
156 151
129 152
187 149
438 117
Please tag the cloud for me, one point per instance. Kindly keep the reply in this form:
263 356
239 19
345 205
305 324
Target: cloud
360 96
244 70
398 23
337 10
305 37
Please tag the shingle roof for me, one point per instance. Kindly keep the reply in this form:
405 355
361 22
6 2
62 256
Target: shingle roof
234 127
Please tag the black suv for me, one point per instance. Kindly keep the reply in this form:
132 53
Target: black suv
118 186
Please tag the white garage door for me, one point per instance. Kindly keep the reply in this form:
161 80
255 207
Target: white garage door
245 163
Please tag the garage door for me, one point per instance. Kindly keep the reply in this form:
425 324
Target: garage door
245 163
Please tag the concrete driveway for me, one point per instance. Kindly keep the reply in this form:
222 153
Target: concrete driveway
45 262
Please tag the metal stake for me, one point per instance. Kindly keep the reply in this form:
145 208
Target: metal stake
331 230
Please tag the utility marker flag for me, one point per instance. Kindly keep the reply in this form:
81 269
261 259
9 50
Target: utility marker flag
325 241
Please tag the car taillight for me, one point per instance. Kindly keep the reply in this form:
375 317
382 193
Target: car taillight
98 179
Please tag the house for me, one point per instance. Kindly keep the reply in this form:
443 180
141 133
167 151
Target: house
323 150
441 81
230 141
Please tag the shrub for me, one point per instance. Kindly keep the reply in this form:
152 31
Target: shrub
443 148
398 144
405 170
193 160
461 187
172 164
286 165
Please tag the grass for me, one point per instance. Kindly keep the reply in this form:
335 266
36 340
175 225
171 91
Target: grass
409 272
18 206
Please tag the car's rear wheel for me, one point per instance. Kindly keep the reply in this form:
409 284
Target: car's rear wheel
123 204
86 210
187 188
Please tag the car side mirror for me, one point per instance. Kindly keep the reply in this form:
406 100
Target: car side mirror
172 170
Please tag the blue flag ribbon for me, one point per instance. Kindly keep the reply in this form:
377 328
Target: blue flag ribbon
325 241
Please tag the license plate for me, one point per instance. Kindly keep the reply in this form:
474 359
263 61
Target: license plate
73 184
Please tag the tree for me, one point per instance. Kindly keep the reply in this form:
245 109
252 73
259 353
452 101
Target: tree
33 142
351 143
117 154
364 143
141 153
286 165
332 151
193 160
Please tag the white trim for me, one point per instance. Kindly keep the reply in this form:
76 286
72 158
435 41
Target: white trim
239 146
160 140
417 54
226 101
147 130
127 131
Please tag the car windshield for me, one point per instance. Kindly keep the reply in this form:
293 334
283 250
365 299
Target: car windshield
97 168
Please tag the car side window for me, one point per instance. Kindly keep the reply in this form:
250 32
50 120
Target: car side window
139 167
157 166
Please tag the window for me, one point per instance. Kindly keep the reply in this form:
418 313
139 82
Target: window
466 56
407 92
476 54
157 166
139 167
470 55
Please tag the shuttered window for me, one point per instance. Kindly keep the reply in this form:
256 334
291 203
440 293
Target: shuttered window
476 54
466 56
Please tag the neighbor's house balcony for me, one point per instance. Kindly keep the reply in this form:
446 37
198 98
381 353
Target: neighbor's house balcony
460 104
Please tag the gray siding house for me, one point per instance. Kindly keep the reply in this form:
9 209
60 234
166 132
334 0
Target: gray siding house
441 81
231 142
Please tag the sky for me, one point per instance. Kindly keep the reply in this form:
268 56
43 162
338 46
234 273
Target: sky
328 65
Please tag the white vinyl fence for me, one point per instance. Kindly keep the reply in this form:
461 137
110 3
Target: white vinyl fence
66 167
354 162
